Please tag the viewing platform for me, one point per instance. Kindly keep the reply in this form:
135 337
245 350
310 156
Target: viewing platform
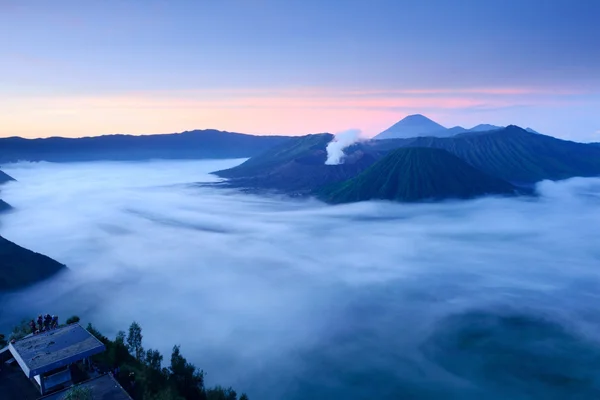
41 365
45 358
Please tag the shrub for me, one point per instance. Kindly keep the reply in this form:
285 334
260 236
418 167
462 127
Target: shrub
73 320
78 393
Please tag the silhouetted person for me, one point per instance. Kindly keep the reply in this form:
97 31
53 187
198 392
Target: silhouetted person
40 322
32 326
54 322
47 321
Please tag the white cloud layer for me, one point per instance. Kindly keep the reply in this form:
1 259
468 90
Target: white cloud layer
294 299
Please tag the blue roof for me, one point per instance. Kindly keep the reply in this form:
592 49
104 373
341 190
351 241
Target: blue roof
54 349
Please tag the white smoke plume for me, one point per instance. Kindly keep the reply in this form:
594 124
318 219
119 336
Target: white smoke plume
341 140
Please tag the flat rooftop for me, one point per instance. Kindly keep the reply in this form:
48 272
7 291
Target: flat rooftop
46 351
104 387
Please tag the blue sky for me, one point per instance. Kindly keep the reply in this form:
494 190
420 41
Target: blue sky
75 68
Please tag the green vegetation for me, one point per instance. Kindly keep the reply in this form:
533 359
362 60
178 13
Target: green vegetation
141 372
297 167
21 267
20 331
417 174
73 320
78 393
284 152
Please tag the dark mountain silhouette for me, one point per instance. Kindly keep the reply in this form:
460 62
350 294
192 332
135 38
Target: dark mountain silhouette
412 126
517 156
4 206
186 145
417 174
511 154
20 267
297 166
4 177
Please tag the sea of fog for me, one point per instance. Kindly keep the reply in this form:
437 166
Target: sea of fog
294 299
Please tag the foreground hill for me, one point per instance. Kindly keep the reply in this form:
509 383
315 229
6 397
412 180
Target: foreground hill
186 145
297 166
20 267
417 174
518 156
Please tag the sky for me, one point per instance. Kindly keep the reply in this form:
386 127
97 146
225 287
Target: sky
73 68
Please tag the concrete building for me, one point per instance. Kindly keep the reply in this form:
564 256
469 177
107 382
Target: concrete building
45 358
40 365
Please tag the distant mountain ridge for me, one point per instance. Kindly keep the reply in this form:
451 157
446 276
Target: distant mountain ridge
417 174
196 144
418 125
20 267
518 156
510 154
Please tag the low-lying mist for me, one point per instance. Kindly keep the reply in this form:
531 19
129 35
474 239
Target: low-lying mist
293 299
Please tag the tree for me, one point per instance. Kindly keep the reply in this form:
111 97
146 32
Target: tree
73 320
188 381
20 331
244 396
155 375
118 350
220 393
134 341
91 329
165 394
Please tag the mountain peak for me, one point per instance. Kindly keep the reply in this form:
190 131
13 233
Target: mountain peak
412 126
416 117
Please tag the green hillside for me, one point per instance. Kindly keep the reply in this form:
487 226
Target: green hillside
20 267
297 167
518 156
417 174
282 153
